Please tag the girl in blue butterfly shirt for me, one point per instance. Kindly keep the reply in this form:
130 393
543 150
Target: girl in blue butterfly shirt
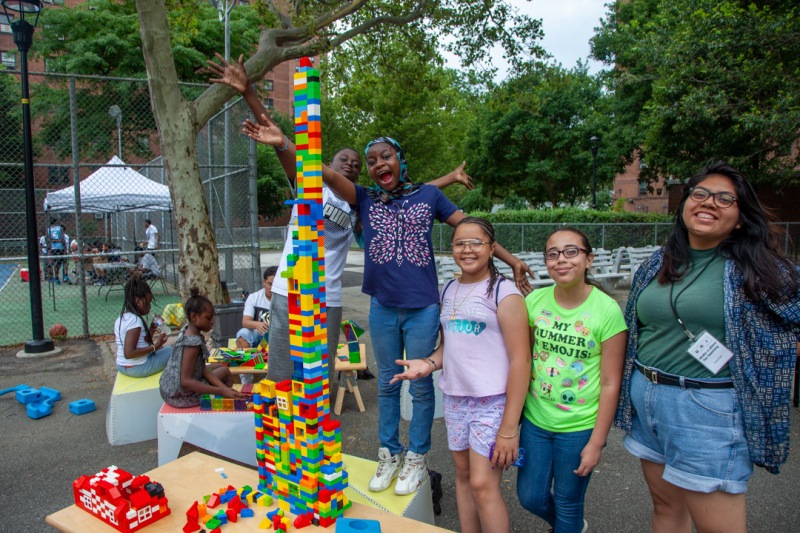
400 276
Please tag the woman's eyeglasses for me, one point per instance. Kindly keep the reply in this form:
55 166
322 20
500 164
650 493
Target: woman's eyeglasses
569 253
721 199
472 244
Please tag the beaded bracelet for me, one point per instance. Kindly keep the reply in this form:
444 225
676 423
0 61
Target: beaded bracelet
508 436
432 362
285 146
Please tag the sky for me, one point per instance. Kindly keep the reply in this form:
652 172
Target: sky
568 25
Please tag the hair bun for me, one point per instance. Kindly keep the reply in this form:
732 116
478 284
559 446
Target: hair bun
194 292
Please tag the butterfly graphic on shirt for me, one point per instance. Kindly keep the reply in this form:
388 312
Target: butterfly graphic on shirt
400 233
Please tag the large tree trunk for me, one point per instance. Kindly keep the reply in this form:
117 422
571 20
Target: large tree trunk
177 127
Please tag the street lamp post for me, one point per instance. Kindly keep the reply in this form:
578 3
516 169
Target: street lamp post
595 140
116 113
22 30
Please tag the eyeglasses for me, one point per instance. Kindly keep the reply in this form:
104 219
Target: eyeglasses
721 199
569 252
472 244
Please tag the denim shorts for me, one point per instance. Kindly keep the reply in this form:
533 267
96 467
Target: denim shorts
697 434
473 422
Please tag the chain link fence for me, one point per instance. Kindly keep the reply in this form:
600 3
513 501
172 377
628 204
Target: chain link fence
98 178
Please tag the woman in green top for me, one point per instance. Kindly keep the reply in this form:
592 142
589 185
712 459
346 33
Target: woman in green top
713 319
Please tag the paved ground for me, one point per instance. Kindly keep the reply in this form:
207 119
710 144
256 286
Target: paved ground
42 457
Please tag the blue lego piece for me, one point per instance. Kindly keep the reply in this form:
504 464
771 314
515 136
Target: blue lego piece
247 513
83 406
357 525
13 389
26 396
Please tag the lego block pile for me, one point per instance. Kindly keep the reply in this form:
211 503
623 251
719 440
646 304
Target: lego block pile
120 499
214 402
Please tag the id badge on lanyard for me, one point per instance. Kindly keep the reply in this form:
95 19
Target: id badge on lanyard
706 348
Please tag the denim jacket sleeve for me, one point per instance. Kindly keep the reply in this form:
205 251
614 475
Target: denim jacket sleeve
763 337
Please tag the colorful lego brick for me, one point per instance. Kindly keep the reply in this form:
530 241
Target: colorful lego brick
123 501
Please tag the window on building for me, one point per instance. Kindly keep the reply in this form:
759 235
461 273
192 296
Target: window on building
59 175
269 85
9 59
269 103
642 188
5 23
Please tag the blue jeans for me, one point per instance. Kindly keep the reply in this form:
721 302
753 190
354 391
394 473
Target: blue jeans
552 457
393 330
155 363
252 336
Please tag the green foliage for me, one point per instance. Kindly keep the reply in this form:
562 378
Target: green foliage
395 85
572 215
475 200
101 37
531 137
273 187
512 202
697 80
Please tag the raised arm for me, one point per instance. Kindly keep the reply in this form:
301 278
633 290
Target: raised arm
513 318
456 176
520 268
272 135
235 76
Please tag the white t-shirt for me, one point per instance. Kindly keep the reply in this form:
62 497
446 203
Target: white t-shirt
338 237
151 232
257 306
148 262
122 325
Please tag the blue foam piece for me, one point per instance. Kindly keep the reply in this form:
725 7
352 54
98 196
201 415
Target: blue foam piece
26 396
357 525
83 406
38 410
13 389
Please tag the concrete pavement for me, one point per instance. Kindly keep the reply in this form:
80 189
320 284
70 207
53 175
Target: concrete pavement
42 457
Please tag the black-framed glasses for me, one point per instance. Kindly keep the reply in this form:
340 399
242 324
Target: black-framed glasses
472 244
722 199
569 252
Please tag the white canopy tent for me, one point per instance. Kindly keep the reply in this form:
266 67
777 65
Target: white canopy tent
112 189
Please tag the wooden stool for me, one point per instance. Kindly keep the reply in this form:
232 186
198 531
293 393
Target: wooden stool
348 380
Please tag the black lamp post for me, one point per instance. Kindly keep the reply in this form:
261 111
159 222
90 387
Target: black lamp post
595 140
24 11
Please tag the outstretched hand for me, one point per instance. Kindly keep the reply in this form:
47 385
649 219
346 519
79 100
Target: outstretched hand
233 74
268 133
417 368
521 273
462 177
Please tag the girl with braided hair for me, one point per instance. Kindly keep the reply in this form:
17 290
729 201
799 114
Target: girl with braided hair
485 360
140 349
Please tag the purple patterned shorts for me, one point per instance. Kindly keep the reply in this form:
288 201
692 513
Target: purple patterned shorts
473 422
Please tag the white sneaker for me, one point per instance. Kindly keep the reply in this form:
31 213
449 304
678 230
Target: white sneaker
414 472
388 468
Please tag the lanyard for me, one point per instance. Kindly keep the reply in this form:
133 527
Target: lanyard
674 303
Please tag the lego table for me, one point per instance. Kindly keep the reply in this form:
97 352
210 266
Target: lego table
193 476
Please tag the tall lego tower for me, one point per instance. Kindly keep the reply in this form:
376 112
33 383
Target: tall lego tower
298 446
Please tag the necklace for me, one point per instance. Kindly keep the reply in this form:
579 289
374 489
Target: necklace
456 305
